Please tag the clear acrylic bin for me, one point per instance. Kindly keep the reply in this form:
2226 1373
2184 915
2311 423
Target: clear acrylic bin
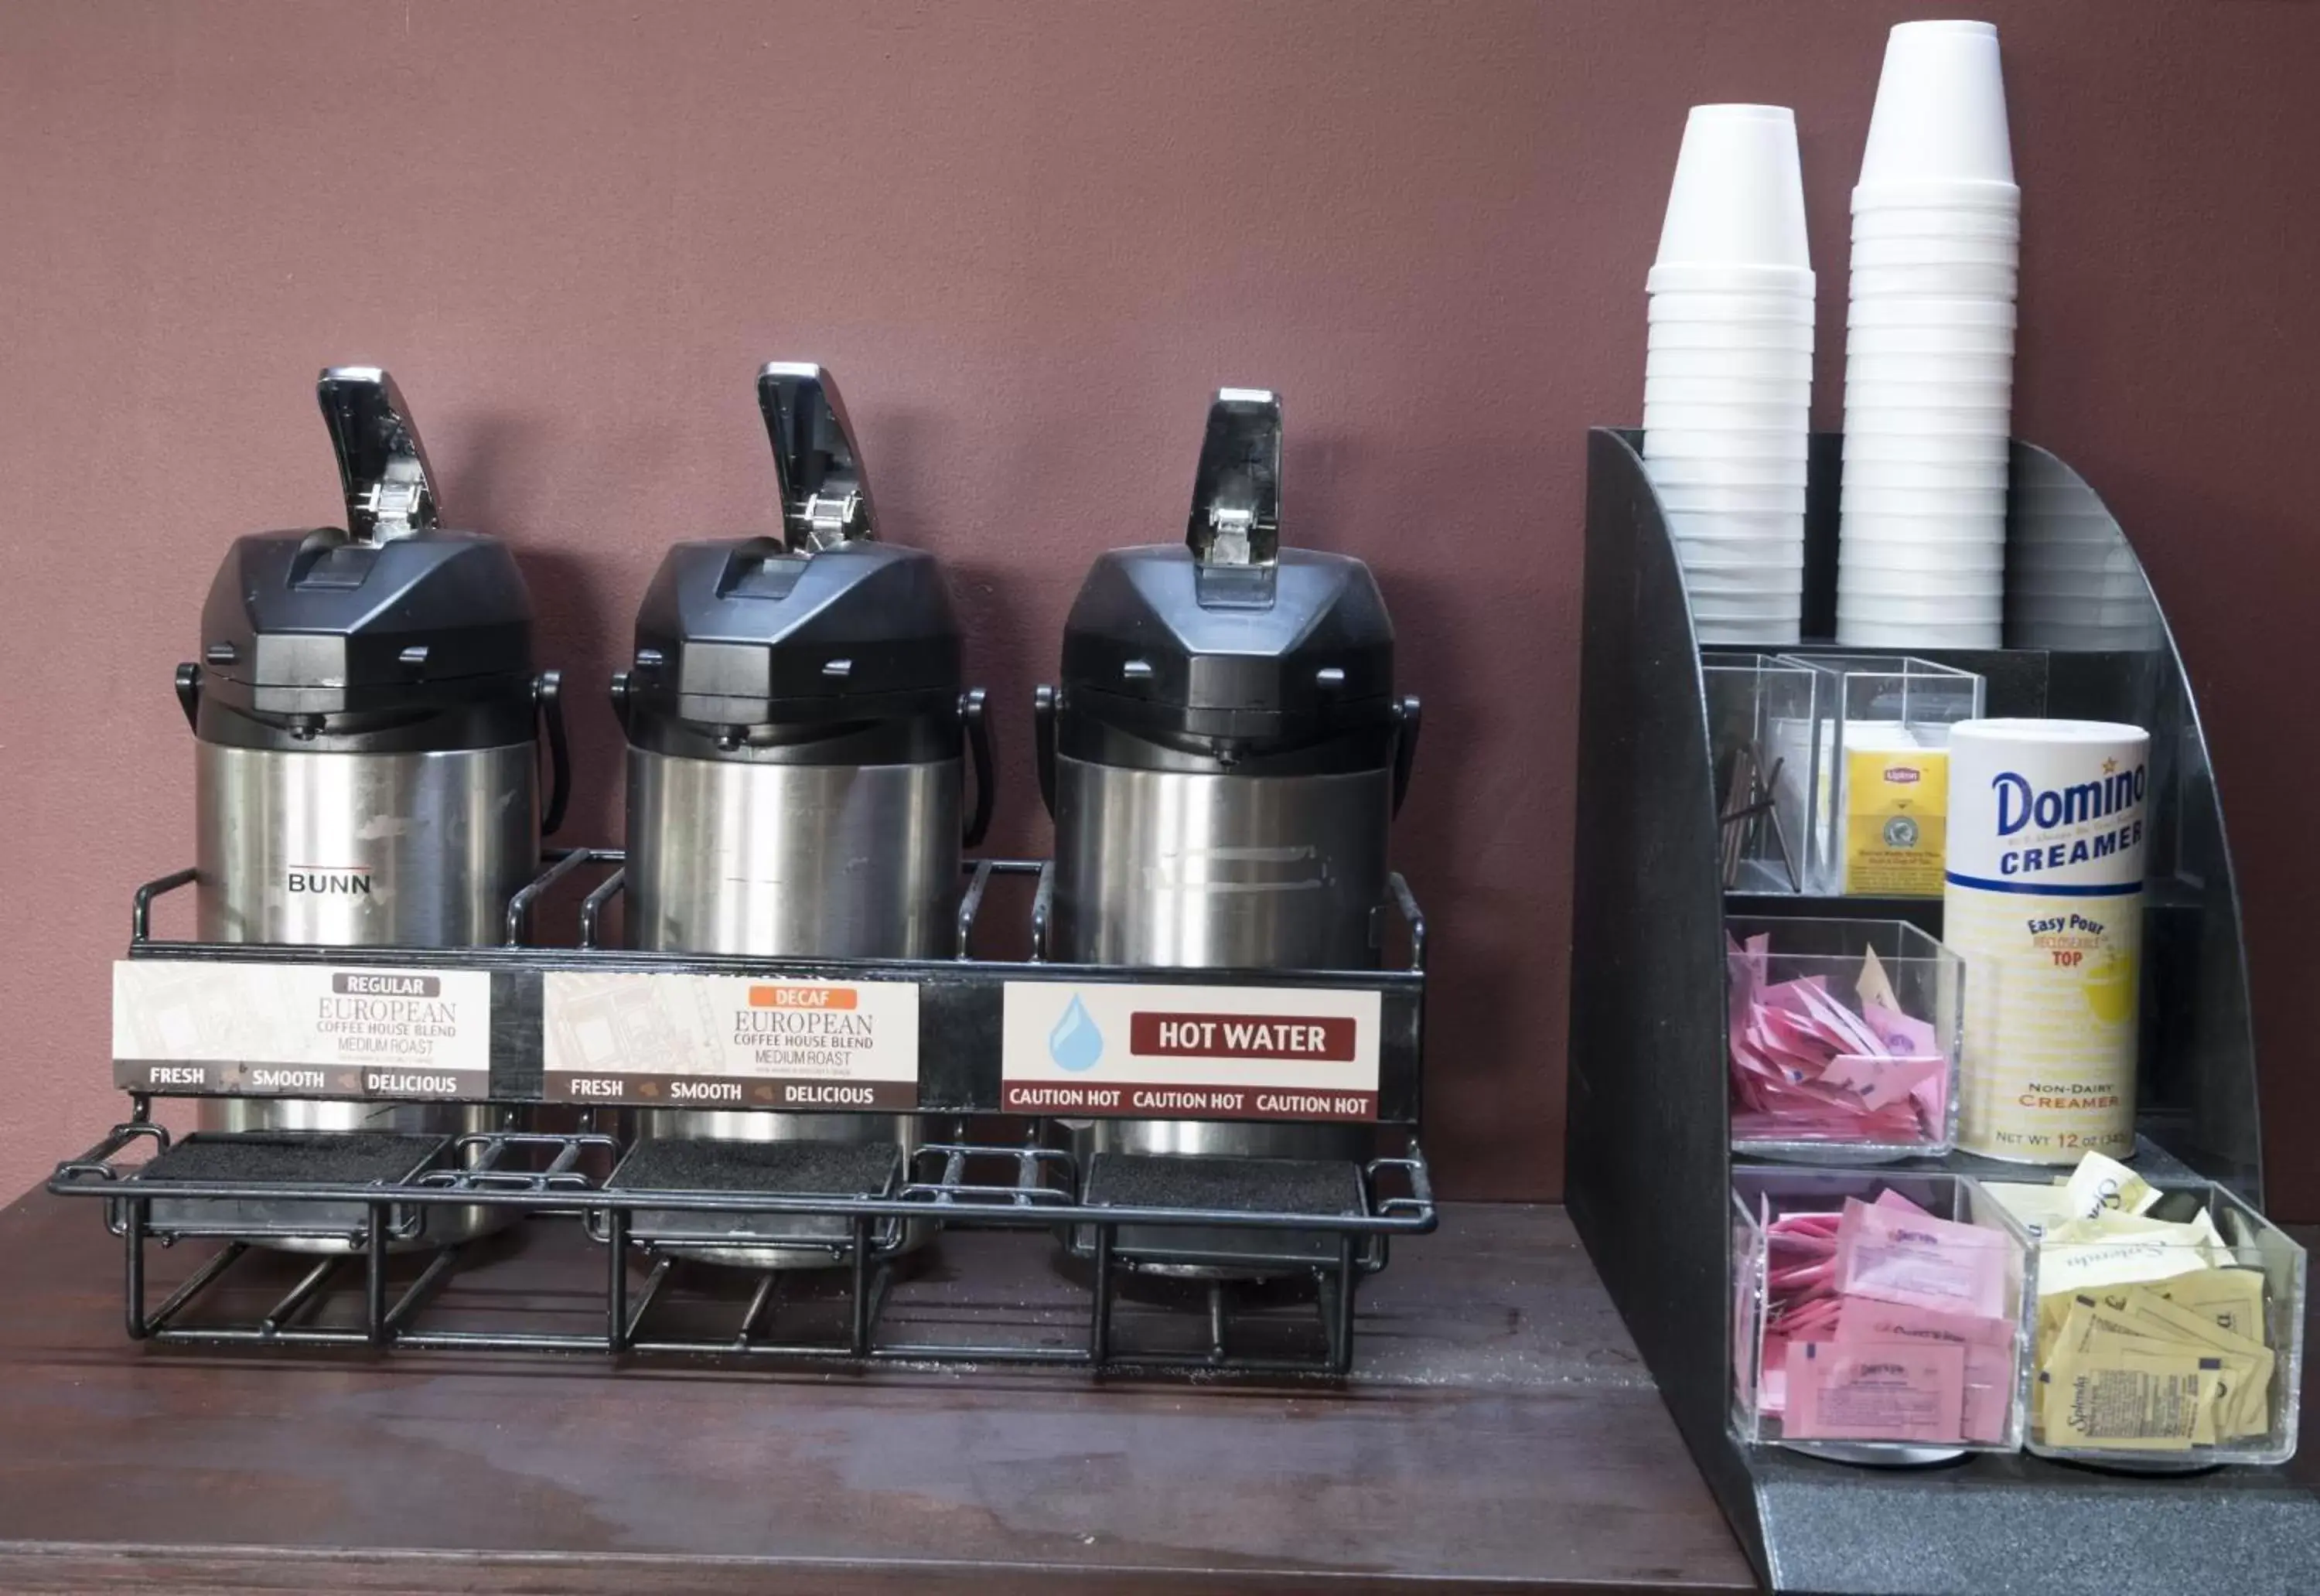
1997 1378
2144 1389
1871 824
1928 981
1759 727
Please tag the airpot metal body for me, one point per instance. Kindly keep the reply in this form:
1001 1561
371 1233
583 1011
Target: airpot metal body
367 716
1223 760
797 733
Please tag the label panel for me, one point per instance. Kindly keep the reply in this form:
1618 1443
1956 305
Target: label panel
730 1041
195 1027
1189 1052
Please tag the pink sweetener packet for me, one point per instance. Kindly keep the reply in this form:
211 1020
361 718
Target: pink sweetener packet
1874 1391
1821 1314
1810 1221
1920 1261
1988 1343
1901 1033
1846 1031
1879 1081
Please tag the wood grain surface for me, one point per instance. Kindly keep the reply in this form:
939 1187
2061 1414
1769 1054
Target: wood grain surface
1500 1434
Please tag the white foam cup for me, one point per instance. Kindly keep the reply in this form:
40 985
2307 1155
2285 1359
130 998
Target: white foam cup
1691 443
1791 337
1870 553
1936 221
1729 307
1747 534
1680 498
1866 394
1699 278
1904 636
1737 364
1859 498
1745 634
1889 254
1751 583
1924 529
1929 340
1915 477
1726 390
1728 416
1930 312
1687 472
1986 421
1935 279
1864 440
1782 559
1738 197
1979 589
1940 113
1918 367
1939 610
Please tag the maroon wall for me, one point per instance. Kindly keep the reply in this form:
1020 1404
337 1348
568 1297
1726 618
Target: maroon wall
1031 238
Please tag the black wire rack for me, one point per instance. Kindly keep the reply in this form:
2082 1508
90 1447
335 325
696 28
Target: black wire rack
1236 1250
563 1178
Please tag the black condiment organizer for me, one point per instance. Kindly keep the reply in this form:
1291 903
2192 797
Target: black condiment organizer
1030 1188
1648 1135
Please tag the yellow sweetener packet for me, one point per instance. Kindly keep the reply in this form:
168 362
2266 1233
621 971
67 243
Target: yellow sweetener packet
2244 1405
2101 1185
2232 1298
2127 1328
2153 1405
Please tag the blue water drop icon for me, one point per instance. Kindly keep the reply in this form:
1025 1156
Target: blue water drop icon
1075 1043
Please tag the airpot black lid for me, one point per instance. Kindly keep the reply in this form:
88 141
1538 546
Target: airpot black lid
797 646
388 621
1229 638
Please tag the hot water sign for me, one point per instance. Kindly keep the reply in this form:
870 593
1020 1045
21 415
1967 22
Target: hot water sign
1190 1052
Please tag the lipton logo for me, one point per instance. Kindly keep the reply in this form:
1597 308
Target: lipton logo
1903 774
335 880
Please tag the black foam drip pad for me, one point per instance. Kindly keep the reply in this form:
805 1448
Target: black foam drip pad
1321 1187
284 1158
777 1168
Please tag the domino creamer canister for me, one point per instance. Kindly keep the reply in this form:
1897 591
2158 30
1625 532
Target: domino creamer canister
2043 898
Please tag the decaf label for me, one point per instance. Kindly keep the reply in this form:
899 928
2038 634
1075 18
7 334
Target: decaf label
730 1041
1190 1052
305 1030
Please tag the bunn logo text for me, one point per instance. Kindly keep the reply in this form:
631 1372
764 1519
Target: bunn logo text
341 881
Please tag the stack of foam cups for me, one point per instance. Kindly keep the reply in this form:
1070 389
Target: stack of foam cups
1727 384
1929 350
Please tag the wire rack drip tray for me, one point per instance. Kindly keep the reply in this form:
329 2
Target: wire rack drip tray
770 1168
1322 1188
289 1158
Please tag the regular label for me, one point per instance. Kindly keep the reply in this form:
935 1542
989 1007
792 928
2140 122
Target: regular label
1189 1052
300 1030
730 1041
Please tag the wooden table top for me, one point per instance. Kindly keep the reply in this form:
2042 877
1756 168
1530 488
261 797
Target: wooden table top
1500 1434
